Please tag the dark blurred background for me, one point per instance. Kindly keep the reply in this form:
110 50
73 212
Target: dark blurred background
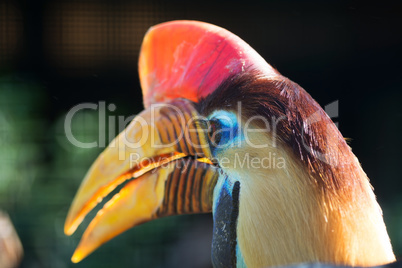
57 54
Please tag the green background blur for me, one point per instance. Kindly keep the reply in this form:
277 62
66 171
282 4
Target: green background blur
57 54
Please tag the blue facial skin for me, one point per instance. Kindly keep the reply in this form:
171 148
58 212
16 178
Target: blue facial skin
225 129
225 249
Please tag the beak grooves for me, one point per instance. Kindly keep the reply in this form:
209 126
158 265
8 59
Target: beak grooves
183 128
189 189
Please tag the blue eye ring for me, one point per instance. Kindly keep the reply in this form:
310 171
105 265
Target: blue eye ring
222 129
214 132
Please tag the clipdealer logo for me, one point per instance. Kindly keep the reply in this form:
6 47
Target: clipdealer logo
142 126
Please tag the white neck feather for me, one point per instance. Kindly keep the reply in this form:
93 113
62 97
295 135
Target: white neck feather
285 218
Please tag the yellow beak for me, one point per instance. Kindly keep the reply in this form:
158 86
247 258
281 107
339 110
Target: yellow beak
165 152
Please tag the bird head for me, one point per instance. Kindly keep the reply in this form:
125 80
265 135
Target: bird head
224 132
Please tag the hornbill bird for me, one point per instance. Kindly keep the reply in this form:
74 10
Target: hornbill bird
226 133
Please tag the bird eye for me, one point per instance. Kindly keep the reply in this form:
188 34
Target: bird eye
215 132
